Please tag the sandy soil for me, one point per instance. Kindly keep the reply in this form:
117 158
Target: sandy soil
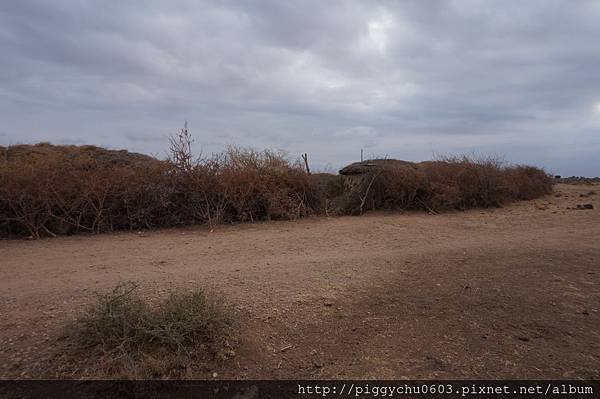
503 293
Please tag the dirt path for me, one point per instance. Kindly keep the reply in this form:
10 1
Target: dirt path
511 293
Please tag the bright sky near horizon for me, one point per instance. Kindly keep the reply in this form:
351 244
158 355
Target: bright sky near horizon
408 79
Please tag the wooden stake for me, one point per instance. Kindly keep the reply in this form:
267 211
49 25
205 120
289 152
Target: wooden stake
305 157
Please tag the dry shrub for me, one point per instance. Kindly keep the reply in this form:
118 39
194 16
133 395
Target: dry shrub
398 187
23 194
325 188
127 337
143 197
529 182
263 185
451 183
468 182
66 193
59 195
66 190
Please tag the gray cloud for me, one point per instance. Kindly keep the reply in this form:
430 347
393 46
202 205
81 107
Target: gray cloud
405 79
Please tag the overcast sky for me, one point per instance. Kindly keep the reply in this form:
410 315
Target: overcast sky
406 79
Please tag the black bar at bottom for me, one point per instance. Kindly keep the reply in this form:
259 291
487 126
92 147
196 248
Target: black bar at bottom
301 389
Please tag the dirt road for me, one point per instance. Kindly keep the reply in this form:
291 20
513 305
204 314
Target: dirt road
503 293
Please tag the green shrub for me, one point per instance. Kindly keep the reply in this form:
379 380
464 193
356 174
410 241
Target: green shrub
124 332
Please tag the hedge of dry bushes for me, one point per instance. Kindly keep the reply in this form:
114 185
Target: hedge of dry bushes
65 193
65 196
452 183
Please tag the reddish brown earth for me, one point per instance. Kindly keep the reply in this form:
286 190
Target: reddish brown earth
503 293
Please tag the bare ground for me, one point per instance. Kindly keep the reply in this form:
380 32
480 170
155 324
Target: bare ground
503 293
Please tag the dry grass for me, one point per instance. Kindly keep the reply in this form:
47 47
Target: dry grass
124 336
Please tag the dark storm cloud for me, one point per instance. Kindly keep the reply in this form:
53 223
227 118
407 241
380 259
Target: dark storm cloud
404 79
